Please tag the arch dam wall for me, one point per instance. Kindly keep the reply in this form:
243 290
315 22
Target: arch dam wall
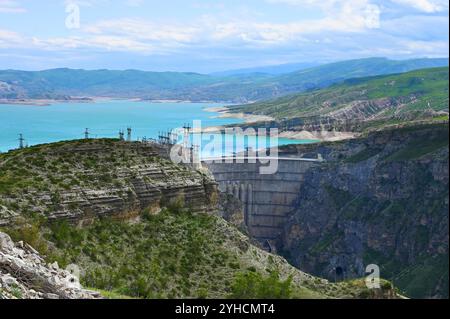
267 200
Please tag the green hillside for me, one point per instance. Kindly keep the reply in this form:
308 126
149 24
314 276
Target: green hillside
414 95
335 72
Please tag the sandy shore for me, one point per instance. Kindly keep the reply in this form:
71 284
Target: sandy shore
323 136
216 109
32 103
165 101
248 118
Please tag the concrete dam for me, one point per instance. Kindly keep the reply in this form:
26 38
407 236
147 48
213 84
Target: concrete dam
267 200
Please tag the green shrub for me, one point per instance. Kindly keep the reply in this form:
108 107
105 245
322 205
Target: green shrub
252 285
29 231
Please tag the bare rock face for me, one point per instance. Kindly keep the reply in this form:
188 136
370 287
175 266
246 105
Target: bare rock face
25 275
379 200
232 210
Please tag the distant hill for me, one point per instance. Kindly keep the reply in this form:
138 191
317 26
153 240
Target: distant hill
269 70
327 74
414 95
69 82
237 88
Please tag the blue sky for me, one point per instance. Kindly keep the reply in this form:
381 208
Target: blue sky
215 35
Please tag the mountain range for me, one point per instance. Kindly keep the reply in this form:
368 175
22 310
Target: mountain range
271 69
234 87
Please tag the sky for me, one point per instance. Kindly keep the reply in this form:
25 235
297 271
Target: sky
215 35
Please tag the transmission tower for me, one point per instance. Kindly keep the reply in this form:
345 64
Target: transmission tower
21 140
187 130
129 134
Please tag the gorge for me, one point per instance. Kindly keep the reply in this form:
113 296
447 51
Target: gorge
136 225
364 204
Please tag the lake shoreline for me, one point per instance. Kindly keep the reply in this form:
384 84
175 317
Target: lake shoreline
48 102
224 113
42 102
322 136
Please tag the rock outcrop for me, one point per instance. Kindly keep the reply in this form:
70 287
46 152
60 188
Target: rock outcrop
25 275
81 180
379 200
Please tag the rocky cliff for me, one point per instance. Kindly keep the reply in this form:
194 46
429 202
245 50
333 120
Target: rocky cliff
80 180
381 199
25 275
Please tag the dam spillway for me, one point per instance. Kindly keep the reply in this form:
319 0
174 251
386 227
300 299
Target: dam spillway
267 199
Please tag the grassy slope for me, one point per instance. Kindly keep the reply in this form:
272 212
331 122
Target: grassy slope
174 255
427 85
177 254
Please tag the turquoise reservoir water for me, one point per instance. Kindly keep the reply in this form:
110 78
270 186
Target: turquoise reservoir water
66 121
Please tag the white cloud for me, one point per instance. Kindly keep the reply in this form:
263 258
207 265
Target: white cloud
9 38
143 30
10 6
428 6
346 15
85 3
109 43
340 29
217 31
92 3
426 47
